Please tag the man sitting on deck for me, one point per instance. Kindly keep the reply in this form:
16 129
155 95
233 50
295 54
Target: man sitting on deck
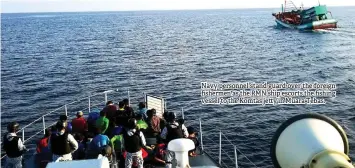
192 136
96 145
153 122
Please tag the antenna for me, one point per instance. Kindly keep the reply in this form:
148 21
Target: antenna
318 3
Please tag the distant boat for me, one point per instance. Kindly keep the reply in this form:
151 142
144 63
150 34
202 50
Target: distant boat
317 17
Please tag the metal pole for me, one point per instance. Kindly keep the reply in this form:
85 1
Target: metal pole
23 135
220 148
66 110
145 100
89 105
44 125
201 134
182 113
165 107
162 106
236 157
105 97
129 99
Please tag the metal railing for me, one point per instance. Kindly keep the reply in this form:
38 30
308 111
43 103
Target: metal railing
51 116
89 103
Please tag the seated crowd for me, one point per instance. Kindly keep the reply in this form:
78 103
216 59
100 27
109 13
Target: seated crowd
115 132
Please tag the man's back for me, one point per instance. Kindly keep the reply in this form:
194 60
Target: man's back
110 111
102 123
79 125
141 124
154 124
100 141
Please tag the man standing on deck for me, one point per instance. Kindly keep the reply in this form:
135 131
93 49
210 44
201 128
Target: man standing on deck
102 122
129 110
110 110
62 144
173 130
133 141
13 147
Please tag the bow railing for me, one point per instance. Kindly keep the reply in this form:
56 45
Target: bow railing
212 145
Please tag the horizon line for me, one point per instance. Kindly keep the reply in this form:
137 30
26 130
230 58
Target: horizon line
147 10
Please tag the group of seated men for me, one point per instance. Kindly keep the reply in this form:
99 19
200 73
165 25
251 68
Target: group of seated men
116 132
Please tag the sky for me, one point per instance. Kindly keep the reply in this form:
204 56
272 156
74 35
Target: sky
19 6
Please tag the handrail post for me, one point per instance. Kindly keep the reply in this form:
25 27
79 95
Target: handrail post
89 105
44 125
182 113
165 107
236 157
162 105
105 97
66 110
201 134
145 100
129 99
220 148
23 135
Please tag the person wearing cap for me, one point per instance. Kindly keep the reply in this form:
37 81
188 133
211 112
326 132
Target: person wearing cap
62 144
79 123
193 137
13 146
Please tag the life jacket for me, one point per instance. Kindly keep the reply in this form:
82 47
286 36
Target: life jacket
174 132
11 147
60 144
132 144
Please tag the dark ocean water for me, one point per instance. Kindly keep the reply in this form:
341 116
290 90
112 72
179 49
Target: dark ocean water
48 59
